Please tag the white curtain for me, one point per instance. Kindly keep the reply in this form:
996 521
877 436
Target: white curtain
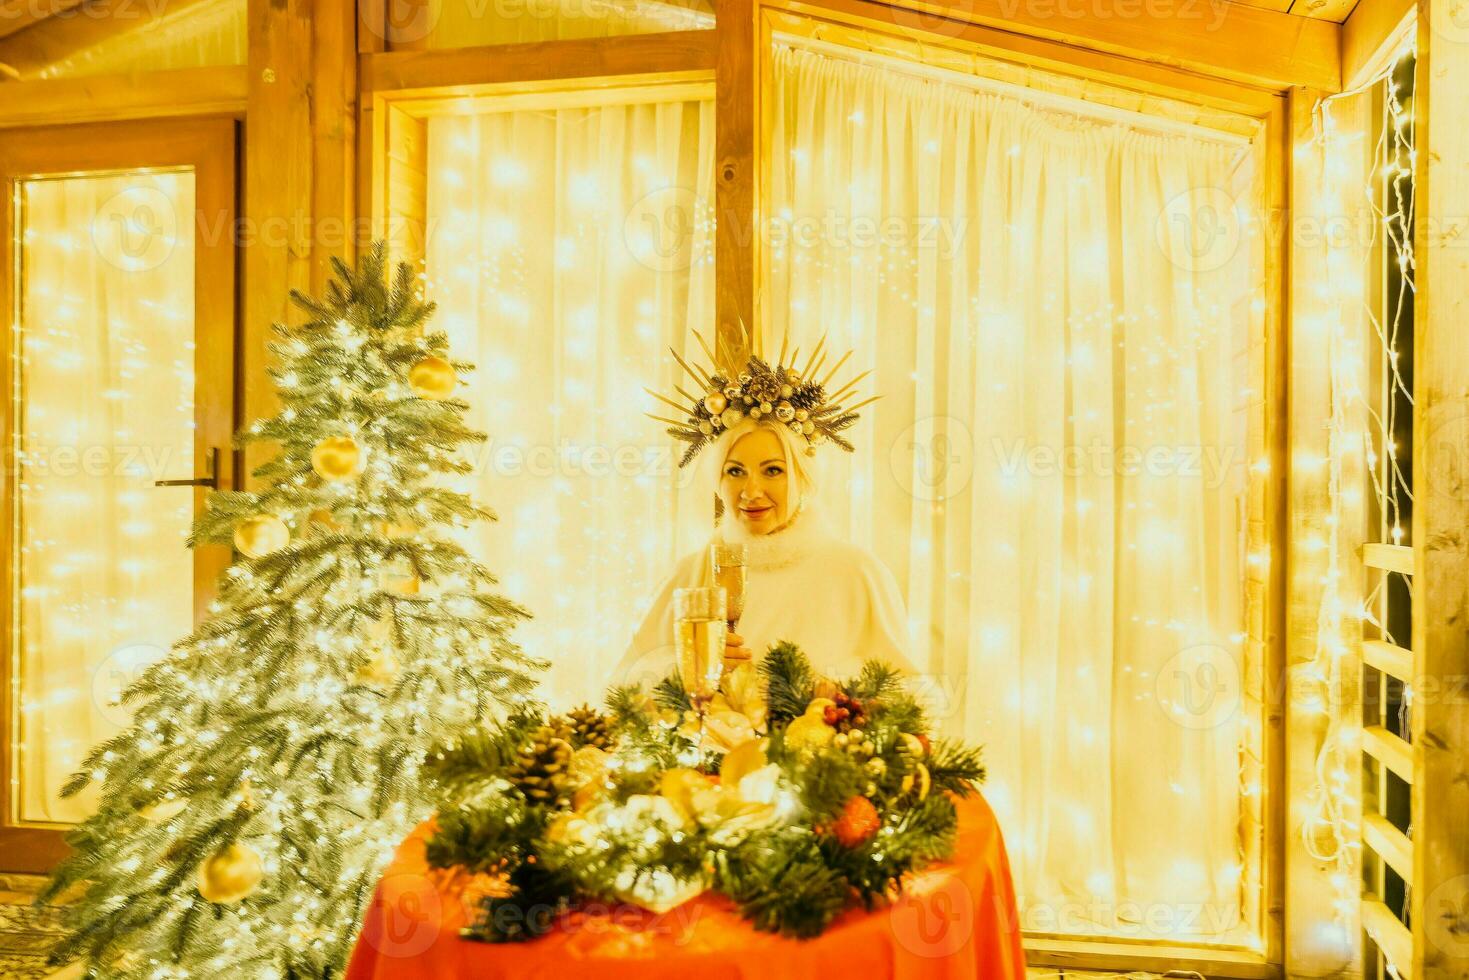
568 250
103 582
1059 321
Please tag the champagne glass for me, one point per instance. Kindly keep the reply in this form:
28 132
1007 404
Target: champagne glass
729 572
700 628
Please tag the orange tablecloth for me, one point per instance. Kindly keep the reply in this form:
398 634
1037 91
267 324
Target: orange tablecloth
955 922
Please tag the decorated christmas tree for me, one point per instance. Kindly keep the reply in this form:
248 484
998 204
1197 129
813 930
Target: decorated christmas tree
275 757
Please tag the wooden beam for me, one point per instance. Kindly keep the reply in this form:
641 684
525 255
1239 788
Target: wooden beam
867 24
736 156
1390 843
17 15
1158 957
462 70
1215 38
57 38
1388 557
1390 935
372 26
1309 950
1370 36
1335 11
181 92
300 170
334 139
1440 893
1272 632
1389 750
1388 658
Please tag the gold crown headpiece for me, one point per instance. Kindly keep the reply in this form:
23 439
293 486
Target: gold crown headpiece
804 401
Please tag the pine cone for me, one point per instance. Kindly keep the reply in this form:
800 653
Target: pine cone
540 768
586 726
858 823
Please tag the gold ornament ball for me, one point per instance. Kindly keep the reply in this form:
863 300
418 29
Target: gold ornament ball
337 458
400 581
432 378
396 529
162 811
232 874
260 535
380 669
715 403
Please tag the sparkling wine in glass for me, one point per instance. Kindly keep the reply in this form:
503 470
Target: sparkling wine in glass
729 573
700 628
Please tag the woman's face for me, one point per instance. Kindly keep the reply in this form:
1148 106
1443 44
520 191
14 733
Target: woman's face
754 481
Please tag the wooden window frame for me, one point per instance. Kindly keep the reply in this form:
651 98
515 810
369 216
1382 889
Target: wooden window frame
208 147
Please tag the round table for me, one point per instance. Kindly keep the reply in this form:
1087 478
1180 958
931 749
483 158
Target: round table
955 921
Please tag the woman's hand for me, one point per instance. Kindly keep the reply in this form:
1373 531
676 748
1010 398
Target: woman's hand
735 651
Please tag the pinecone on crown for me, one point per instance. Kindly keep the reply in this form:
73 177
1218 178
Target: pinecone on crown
586 726
540 768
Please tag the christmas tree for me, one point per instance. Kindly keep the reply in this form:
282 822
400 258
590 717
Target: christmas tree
275 757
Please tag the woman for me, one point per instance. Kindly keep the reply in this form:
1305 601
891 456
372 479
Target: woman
834 600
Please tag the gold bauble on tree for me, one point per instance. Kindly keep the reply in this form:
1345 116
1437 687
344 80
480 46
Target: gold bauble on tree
399 579
230 875
160 811
260 535
432 378
380 669
337 458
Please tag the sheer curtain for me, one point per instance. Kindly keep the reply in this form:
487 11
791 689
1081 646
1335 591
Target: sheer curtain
1051 306
568 250
103 582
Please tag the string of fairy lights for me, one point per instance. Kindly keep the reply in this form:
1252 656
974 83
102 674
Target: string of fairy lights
1362 421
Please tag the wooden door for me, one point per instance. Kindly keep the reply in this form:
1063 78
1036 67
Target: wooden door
117 275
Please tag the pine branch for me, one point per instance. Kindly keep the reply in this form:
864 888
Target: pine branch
955 767
790 683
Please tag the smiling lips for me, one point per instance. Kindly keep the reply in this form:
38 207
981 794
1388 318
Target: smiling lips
756 512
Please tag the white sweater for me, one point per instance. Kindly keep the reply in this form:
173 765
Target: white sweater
834 600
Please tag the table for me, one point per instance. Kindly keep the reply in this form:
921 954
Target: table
955 921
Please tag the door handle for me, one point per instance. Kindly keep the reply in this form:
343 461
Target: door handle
210 478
